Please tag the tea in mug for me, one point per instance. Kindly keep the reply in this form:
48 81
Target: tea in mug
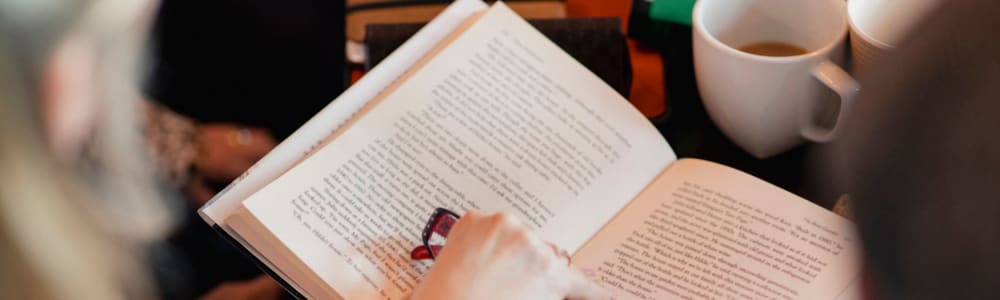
773 49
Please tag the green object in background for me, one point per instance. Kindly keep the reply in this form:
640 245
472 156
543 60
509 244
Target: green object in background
677 11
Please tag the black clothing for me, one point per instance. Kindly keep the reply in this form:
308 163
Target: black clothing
271 64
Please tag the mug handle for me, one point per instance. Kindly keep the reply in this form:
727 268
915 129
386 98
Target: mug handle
834 77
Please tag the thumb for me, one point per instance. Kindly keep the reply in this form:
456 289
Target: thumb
261 142
198 193
260 288
263 287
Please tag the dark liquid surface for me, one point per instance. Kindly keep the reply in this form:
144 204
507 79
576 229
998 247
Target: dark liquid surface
773 49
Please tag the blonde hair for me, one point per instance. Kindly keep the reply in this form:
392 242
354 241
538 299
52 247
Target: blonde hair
74 230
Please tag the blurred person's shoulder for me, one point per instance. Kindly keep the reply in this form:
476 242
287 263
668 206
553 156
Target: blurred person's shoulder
921 158
944 80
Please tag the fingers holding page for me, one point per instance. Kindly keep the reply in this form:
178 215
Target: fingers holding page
498 257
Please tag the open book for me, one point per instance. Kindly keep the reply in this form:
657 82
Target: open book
481 111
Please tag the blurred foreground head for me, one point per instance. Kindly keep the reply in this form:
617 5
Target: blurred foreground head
76 198
922 159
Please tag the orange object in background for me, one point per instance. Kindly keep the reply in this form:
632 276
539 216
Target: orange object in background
648 92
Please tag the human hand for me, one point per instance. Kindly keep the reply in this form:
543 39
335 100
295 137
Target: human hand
227 150
497 257
260 288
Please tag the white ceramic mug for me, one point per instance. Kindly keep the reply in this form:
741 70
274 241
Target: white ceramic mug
769 104
878 25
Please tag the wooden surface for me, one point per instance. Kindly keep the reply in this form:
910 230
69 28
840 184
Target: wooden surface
648 92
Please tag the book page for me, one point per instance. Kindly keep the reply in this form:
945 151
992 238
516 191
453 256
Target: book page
706 231
499 120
